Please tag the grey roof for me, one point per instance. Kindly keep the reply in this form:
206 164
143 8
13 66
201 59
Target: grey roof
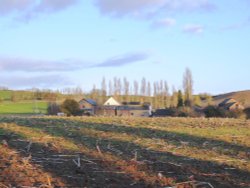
90 101
227 101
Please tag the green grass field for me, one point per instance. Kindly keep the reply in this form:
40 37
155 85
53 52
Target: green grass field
5 94
23 107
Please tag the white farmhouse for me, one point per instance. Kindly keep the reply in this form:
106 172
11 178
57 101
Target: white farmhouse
111 102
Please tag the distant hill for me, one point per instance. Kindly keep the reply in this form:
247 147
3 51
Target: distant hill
241 96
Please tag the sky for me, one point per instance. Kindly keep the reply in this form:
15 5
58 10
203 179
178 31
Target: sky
56 44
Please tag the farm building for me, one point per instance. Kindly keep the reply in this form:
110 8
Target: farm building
111 102
124 110
163 112
88 106
231 104
114 108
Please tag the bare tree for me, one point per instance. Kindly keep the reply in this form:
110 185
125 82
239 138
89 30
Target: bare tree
136 88
94 94
104 90
143 86
188 87
156 89
115 87
143 90
156 95
110 88
149 93
162 94
119 88
166 95
126 88
149 89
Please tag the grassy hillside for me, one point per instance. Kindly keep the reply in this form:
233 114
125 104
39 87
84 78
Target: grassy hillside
5 94
241 96
23 107
22 102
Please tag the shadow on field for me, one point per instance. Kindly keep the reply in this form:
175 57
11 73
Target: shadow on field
174 138
170 165
61 165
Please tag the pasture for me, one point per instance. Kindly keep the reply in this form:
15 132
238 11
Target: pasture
124 152
26 107
5 94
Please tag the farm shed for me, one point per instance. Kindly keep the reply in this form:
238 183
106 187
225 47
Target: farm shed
88 106
111 102
231 104
124 110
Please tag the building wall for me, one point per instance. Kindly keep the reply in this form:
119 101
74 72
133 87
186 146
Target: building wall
84 104
236 106
111 102
113 111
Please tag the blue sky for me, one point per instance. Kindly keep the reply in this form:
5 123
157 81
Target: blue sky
68 43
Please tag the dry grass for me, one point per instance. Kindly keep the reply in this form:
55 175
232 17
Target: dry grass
180 149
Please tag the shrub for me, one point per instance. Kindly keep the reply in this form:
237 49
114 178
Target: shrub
177 112
187 112
70 107
212 111
240 114
53 109
247 112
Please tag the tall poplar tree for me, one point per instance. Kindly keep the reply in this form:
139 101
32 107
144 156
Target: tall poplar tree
188 87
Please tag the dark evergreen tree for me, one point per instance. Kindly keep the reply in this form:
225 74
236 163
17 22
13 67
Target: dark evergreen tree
180 99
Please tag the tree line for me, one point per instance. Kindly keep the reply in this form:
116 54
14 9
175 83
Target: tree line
157 93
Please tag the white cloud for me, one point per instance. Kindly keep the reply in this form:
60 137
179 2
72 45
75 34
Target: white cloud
29 9
193 29
123 60
167 22
9 64
239 25
10 6
140 7
48 6
41 81
124 7
189 5
31 65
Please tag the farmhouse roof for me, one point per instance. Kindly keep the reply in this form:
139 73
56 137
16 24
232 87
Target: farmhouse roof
227 101
231 103
228 105
112 102
90 101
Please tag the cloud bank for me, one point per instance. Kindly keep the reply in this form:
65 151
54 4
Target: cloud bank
239 25
28 9
140 7
123 60
193 29
41 81
10 6
167 22
32 65
26 73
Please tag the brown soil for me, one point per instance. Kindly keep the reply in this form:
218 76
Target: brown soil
46 165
